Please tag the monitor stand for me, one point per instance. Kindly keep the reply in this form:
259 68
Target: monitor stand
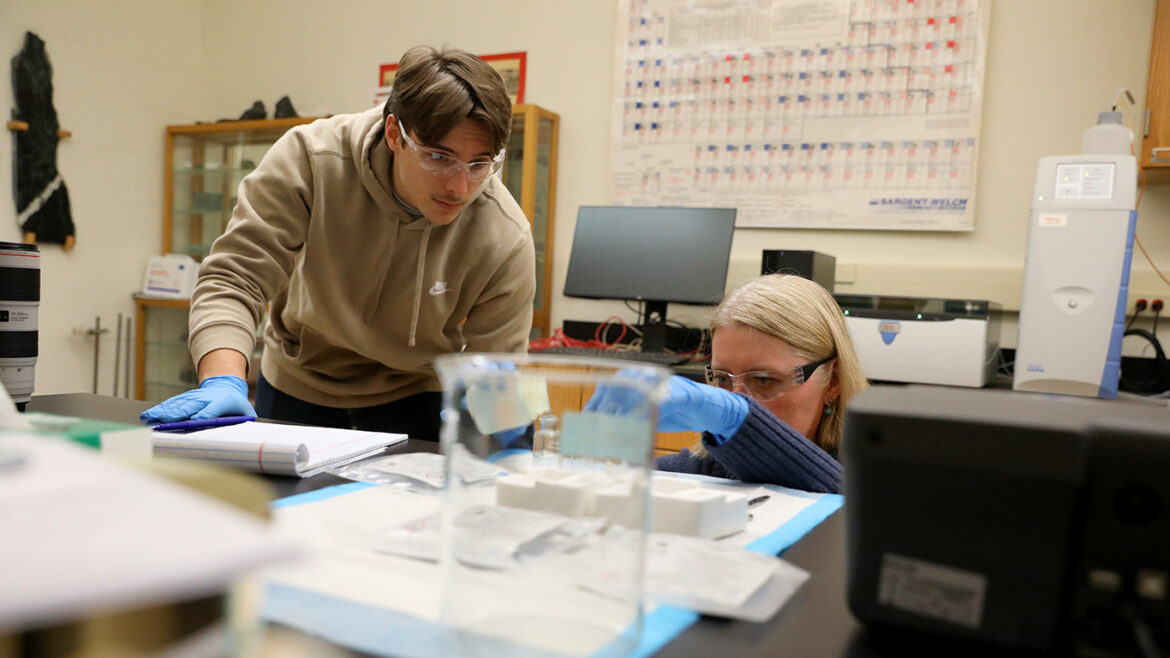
654 327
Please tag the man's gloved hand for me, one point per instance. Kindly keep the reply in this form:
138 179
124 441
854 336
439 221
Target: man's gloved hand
504 437
225 395
689 407
508 438
695 407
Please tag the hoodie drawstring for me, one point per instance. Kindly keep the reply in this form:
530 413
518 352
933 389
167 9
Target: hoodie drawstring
418 281
383 269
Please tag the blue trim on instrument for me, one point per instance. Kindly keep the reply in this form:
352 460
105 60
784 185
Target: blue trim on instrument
1111 375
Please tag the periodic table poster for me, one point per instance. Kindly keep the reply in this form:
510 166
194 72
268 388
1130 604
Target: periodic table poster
843 114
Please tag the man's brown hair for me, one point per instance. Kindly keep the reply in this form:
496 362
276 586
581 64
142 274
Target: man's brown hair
436 89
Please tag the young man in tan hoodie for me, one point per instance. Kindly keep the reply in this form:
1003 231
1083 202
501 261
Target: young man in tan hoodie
376 241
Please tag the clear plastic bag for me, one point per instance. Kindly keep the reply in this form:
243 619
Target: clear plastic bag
421 472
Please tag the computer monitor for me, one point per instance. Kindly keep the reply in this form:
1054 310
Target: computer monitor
652 255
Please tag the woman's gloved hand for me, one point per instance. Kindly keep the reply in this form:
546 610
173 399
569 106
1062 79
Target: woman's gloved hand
224 395
695 407
689 406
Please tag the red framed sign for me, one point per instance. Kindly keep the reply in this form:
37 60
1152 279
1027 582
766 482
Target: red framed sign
512 67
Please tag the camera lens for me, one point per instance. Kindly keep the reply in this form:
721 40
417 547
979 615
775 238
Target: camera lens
20 293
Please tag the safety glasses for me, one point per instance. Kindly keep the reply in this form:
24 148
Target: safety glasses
765 385
445 166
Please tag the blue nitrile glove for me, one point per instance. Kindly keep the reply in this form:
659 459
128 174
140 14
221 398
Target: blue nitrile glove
224 395
505 438
695 407
509 437
690 407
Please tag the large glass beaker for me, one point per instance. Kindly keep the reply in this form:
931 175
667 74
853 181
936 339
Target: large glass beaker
546 556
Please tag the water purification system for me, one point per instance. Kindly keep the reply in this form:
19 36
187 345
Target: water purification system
1076 276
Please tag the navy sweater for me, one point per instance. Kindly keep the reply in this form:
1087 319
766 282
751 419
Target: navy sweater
765 450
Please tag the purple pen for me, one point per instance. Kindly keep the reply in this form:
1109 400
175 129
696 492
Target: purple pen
205 423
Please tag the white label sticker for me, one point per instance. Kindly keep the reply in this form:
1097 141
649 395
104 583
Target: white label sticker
1053 221
932 590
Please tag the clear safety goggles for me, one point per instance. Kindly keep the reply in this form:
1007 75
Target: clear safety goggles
445 166
765 385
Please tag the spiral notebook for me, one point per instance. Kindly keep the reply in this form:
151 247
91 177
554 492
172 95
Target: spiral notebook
275 449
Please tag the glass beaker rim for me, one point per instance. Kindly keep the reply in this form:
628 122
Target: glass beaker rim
553 367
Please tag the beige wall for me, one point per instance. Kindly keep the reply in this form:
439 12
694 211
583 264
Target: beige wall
126 68
1052 65
122 70
330 62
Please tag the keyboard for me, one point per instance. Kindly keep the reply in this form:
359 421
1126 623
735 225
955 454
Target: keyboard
656 358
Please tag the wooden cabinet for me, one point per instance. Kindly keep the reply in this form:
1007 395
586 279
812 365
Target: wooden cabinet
530 173
204 165
1155 156
668 443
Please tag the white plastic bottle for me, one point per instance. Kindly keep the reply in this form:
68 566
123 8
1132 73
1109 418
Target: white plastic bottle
1108 137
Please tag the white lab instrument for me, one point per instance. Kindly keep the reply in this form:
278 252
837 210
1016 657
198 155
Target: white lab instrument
951 342
1076 274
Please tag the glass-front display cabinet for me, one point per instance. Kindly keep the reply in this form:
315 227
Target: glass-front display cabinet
164 366
530 172
204 165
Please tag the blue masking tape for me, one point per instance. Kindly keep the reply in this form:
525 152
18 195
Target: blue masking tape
662 626
798 526
377 631
320 494
504 454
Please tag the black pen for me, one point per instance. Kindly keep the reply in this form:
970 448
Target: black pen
758 500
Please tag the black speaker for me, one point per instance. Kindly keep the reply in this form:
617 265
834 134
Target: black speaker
814 265
1120 587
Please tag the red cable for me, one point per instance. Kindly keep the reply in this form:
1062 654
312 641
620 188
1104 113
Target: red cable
559 339
604 327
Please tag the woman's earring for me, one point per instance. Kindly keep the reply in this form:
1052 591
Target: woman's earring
829 406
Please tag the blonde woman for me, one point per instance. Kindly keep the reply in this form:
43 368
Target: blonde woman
782 372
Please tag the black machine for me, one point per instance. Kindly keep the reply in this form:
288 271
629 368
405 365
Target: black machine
821 268
1029 521
651 255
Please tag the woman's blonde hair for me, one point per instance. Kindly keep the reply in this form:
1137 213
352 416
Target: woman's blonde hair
806 317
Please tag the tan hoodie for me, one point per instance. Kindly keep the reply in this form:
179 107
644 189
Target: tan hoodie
362 295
